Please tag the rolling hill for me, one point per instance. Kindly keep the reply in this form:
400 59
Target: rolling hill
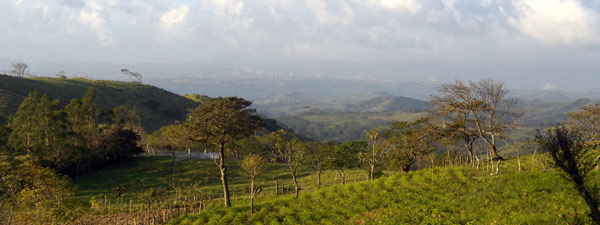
450 195
157 107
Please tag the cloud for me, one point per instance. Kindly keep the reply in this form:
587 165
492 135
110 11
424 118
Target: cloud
91 17
325 16
557 21
174 17
408 5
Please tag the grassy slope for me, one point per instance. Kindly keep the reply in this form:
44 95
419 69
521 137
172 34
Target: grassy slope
455 195
156 106
154 171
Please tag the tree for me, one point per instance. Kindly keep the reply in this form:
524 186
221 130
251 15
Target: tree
220 121
587 121
410 141
457 125
19 69
252 165
378 144
23 124
318 153
345 156
83 116
4 134
484 104
570 154
33 194
134 75
292 152
126 118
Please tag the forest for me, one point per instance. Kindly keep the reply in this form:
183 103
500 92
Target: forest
457 162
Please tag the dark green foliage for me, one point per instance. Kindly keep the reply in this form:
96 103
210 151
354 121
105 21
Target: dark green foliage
109 94
345 155
119 146
68 140
4 134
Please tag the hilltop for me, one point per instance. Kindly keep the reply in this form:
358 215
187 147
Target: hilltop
156 106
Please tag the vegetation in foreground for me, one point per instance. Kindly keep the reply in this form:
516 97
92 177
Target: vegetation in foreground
453 195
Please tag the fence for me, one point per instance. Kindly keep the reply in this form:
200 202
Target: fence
183 155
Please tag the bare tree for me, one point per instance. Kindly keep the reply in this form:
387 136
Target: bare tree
483 104
252 165
19 69
378 145
587 121
293 152
571 155
134 75
456 124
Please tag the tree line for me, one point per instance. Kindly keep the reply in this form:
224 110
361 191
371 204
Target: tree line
42 142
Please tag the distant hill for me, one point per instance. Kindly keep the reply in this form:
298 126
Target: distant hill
541 114
156 106
392 104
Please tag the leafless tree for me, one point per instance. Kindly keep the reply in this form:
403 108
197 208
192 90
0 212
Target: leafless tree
19 69
378 145
252 165
135 75
479 108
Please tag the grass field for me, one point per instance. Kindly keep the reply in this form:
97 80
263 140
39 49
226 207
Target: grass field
453 195
148 172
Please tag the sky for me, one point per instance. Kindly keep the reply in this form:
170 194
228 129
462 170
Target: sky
545 35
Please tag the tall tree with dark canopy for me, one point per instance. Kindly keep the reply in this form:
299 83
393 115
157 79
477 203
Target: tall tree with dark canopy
219 121
570 154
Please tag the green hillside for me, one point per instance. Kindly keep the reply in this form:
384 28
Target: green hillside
452 195
157 107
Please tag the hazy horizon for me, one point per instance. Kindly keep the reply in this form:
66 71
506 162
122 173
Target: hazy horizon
529 44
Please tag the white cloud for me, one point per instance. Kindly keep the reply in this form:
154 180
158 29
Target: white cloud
557 21
325 16
408 5
92 18
174 17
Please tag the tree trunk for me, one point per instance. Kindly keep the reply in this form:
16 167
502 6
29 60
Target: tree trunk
533 158
252 196
519 159
498 166
471 154
589 200
371 173
295 183
276 186
432 172
319 178
223 170
342 174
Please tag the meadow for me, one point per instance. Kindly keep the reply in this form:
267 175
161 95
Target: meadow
442 195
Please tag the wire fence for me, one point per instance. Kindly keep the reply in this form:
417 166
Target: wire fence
183 155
